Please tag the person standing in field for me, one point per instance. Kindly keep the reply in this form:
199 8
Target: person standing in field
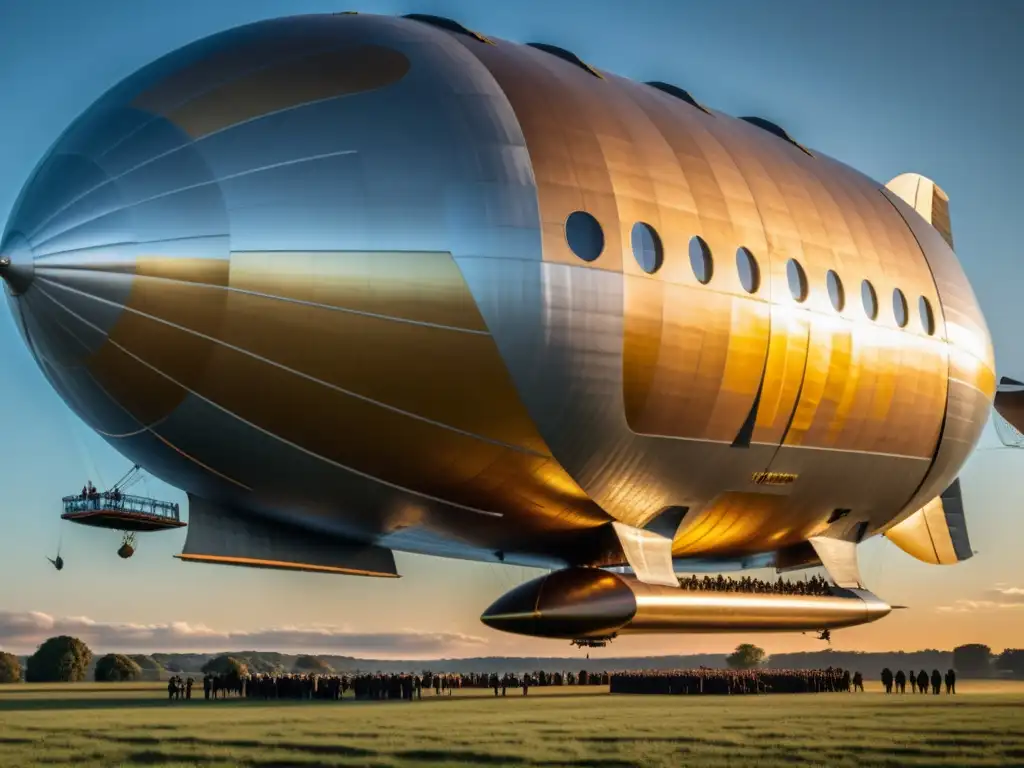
950 682
901 681
887 679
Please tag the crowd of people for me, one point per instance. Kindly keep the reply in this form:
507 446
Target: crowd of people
89 493
919 683
736 681
815 585
371 686
410 687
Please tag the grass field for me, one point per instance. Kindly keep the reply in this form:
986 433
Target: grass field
134 725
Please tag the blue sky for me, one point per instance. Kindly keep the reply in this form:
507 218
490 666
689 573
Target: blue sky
885 86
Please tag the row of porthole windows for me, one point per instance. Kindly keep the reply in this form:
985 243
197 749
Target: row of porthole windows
586 239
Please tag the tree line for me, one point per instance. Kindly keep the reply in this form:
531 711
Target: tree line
69 660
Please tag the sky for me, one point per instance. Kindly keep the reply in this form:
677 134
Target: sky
887 86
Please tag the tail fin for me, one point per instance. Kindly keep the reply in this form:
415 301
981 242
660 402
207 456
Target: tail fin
1009 404
927 198
936 533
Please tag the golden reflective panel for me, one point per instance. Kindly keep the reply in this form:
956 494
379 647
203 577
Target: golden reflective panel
736 523
289 83
205 271
830 378
283 565
925 535
692 359
425 287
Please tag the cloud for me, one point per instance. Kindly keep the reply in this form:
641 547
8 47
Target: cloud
24 631
1000 597
1008 595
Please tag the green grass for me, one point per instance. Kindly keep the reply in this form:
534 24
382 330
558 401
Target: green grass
133 725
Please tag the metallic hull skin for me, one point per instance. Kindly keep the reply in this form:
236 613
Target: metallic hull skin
590 603
314 270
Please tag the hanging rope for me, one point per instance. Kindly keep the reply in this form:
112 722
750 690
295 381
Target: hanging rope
130 478
87 458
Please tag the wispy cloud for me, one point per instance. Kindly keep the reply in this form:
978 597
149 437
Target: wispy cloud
1008 595
24 631
1000 597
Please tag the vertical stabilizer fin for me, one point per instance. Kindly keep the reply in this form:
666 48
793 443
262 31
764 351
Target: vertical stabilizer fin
927 198
936 533
1009 402
648 554
839 557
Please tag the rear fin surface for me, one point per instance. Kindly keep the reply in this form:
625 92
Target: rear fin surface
936 533
927 198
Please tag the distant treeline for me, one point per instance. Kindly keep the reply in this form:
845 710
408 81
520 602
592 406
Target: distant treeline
968 660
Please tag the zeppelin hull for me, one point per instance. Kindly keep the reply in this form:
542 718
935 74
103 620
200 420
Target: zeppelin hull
584 603
327 271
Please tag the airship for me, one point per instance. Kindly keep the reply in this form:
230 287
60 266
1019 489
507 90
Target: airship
361 284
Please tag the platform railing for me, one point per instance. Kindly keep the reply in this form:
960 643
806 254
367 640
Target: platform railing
121 503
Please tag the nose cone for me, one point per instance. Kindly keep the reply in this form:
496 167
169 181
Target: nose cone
16 265
573 604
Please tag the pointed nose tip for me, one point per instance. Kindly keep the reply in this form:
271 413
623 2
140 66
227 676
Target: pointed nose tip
570 604
16 265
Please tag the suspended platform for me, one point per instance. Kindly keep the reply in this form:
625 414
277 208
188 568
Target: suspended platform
120 512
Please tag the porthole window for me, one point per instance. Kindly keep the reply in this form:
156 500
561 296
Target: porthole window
700 259
899 308
836 293
750 273
584 235
797 280
646 247
924 307
870 299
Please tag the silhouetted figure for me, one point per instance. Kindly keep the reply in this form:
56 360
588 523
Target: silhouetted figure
950 681
913 681
858 682
901 681
936 682
922 682
887 679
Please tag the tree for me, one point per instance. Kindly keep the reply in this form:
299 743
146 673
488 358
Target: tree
59 660
115 668
312 664
974 660
225 665
151 668
1011 660
746 656
10 668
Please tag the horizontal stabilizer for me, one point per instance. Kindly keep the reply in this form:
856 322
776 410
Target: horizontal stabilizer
927 198
936 533
225 536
